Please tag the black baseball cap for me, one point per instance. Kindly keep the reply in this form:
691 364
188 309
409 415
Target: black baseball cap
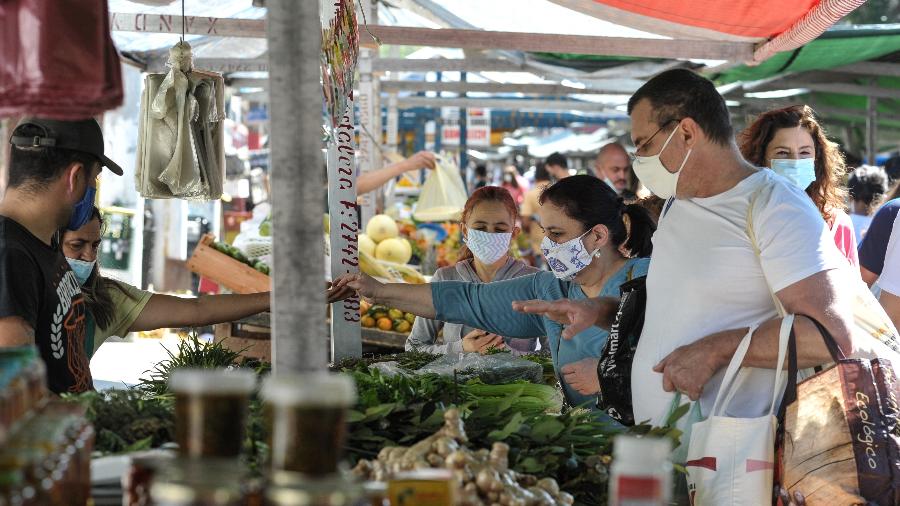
84 136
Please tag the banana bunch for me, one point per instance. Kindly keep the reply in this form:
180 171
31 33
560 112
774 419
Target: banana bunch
398 273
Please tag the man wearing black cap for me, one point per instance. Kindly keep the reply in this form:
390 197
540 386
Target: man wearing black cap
53 170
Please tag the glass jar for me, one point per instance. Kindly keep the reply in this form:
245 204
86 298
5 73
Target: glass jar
333 490
211 411
641 471
307 415
198 482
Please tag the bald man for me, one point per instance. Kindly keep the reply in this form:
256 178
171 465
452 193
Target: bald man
611 165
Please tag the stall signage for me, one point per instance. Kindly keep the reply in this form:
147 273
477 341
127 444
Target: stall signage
478 127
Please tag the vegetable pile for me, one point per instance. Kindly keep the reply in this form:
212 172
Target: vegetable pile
483 477
543 439
238 255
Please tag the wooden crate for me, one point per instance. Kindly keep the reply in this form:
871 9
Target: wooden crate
256 342
250 341
226 271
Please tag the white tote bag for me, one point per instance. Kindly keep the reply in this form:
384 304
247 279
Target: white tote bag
732 460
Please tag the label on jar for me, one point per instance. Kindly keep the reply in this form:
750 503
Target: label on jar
638 491
420 493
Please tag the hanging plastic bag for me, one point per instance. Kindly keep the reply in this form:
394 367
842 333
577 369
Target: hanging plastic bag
57 59
181 150
443 195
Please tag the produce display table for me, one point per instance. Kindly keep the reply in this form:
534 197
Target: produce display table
253 336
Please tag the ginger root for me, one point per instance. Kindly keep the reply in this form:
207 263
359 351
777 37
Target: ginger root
483 476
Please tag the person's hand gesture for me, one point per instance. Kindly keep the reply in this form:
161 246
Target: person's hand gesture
421 160
575 315
348 284
688 368
582 376
479 341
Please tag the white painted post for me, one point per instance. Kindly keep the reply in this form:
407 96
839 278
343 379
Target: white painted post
343 211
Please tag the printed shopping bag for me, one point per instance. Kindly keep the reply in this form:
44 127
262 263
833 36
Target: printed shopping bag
731 460
839 439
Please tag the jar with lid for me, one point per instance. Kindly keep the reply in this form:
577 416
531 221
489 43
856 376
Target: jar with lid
211 411
198 482
307 416
641 471
333 490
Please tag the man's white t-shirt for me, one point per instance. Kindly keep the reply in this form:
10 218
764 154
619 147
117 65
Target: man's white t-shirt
705 278
890 276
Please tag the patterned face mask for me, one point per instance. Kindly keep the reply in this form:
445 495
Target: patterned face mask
486 246
566 260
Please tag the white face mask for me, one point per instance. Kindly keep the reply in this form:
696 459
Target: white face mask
566 260
486 246
654 175
800 171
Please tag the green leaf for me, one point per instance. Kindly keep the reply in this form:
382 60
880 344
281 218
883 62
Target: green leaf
511 426
143 444
530 465
547 429
509 400
376 412
678 413
354 416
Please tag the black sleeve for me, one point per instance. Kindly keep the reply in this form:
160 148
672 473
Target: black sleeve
20 285
874 244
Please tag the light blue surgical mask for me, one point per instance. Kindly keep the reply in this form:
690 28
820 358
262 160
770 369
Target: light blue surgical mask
81 269
800 171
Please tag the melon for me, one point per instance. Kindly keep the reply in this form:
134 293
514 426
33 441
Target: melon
395 250
366 245
382 227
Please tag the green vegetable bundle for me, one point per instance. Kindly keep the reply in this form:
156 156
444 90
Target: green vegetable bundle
238 255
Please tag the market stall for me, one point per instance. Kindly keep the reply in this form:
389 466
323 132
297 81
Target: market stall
236 420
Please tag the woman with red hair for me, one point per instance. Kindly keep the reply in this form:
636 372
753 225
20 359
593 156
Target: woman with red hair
489 228
791 142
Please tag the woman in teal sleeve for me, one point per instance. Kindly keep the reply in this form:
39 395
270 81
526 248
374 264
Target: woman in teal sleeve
592 242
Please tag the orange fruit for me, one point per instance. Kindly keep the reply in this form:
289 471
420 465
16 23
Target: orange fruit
385 324
403 326
367 321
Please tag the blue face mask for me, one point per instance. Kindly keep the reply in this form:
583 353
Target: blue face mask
81 269
83 210
800 171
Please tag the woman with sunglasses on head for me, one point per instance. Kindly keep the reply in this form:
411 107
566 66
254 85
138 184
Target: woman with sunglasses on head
593 243
791 142
116 309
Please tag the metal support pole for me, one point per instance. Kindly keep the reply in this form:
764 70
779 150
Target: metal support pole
294 41
463 132
439 121
872 131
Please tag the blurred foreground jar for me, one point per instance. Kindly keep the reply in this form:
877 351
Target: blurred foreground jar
211 407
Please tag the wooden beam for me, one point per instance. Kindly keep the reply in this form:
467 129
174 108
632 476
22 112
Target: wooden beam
871 68
506 104
193 25
844 88
223 65
457 38
530 88
558 43
261 64
447 65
